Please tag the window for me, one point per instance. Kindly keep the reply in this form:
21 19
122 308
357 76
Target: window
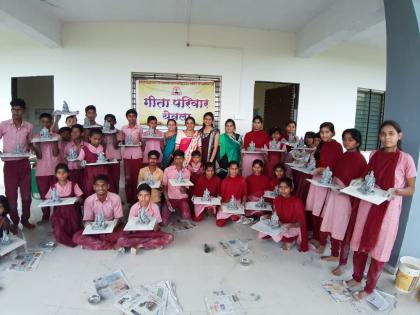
184 77
369 116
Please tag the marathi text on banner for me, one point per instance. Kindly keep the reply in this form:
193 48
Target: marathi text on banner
174 100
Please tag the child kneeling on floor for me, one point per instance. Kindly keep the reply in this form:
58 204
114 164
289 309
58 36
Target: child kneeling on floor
291 213
145 239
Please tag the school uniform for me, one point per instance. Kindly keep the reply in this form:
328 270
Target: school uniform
260 138
231 186
89 153
152 144
113 154
66 220
338 207
177 196
290 210
256 185
133 158
376 227
157 178
111 208
17 171
273 158
76 171
203 183
45 172
145 239
329 154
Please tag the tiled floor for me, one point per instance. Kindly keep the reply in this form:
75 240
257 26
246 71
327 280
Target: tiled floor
288 282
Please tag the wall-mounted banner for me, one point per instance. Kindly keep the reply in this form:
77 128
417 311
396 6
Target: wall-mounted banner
174 99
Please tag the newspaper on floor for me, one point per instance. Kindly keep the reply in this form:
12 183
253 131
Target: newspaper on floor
143 302
112 285
27 261
166 291
235 248
381 301
223 303
180 225
338 290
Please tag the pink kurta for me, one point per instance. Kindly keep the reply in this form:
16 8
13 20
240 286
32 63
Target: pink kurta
337 212
316 198
382 250
152 144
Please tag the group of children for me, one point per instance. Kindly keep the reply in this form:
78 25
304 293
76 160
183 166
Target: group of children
367 229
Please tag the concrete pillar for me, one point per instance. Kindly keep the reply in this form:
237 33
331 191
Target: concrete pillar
402 104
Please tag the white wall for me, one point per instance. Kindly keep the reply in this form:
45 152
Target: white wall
95 64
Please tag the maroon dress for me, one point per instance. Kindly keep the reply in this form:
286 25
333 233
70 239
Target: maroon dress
91 171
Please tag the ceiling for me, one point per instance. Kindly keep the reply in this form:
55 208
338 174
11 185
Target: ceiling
295 16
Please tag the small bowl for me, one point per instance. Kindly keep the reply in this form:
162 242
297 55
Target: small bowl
245 261
94 299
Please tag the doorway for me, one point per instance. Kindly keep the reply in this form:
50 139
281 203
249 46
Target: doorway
38 93
276 102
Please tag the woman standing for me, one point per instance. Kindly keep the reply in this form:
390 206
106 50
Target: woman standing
229 148
169 143
188 140
209 139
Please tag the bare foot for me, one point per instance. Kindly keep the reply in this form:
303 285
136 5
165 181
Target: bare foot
352 283
329 258
286 246
314 242
360 295
321 249
338 271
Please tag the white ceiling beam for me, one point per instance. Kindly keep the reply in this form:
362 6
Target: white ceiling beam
337 23
31 18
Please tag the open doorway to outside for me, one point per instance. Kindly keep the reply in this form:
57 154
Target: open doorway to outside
276 102
38 93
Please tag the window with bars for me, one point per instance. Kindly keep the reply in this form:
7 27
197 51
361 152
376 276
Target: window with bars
183 77
369 116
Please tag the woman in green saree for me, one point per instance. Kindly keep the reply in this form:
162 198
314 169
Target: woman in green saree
230 144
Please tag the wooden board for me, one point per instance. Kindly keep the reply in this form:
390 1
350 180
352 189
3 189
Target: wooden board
379 196
260 226
61 113
109 229
63 202
240 209
274 150
186 184
251 205
52 139
102 163
156 185
110 132
213 202
93 126
319 184
14 155
153 137
268 194
132 225
257 151
129 145
16 242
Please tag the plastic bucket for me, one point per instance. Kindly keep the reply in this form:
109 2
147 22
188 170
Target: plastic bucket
408 274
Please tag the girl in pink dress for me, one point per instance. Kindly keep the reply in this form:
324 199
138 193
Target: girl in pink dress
66 220
338 207
376 226
326 155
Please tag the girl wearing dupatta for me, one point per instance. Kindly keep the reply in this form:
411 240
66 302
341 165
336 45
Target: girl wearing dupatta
188 140
229 148
209 139
169 143
376 226
259 137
